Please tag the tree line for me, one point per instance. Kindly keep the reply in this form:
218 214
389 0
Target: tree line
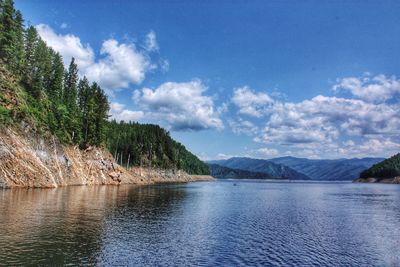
72 108
149 145
388 168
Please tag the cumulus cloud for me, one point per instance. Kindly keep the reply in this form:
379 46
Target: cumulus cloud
251 103
323 118
119 65
120 113
380 147
373 89
184 106
316 125
241 126
266 152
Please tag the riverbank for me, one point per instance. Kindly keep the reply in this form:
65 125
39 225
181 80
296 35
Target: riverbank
30 160
395 180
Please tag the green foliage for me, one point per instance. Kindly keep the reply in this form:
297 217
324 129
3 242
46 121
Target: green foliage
5 115
388 168
52 100
35 88
11 35
150 145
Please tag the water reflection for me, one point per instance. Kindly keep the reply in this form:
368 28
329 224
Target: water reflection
207 224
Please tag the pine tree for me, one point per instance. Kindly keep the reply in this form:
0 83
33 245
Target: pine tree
83 105
8 35
70 85
101 112
57 78
41 69
70 100
19 51
31 40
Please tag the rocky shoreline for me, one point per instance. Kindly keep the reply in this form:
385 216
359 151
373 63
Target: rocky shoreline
30 160
395 180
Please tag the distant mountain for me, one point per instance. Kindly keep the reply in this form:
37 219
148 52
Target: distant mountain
389 168
328 170
274 170
219 171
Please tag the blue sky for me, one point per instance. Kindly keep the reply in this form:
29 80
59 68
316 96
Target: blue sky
316 79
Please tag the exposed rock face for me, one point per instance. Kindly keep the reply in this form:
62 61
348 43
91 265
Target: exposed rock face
28 160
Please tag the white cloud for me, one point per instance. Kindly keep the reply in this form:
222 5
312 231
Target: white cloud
372 89
323 119
120 64
151 44
266 152
251 103
68 46
241 126
379 147
116 107
180 106
120 113
314 126
64 25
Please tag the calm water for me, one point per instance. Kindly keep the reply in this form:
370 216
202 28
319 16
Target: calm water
208 224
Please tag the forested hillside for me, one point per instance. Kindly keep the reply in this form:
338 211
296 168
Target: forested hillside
36 90
274 170
222 172
134 144
388 168
53 98
328 169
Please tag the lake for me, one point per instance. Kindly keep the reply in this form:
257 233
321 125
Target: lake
221 223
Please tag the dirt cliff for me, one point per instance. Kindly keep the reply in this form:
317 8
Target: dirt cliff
30 160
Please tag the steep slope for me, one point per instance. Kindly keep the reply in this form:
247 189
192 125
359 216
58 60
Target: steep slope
263 166
148 145
30 156
328 170
31 160
222 172
386 171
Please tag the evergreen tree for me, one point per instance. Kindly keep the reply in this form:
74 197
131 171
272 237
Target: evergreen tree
70 85
31 40
41 69
73 110
57 78
70 100
8 33
83 104
101 111
11 36
18 57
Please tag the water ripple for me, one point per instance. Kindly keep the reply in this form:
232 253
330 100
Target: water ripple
203 224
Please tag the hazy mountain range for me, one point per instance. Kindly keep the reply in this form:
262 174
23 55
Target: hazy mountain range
273 170
295 168
219 171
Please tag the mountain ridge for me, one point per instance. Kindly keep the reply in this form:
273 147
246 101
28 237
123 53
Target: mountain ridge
329 169
262 166
315 169
386 171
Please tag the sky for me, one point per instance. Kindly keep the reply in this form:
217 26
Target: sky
264 79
